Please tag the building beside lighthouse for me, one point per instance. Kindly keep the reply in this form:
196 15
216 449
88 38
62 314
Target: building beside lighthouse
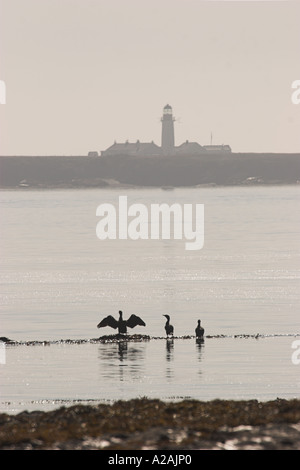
149 149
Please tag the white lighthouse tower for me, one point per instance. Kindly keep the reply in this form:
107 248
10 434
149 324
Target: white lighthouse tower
167 135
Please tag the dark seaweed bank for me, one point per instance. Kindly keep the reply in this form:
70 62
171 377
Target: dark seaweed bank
146 424
119 338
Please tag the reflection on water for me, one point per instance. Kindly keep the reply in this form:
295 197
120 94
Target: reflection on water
129 361
54 276
169 359
175 368
122 360
200 351
199 343
169 348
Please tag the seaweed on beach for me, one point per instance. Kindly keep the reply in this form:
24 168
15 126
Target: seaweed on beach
153 424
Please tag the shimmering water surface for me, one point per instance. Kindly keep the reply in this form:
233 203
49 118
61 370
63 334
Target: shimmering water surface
58 280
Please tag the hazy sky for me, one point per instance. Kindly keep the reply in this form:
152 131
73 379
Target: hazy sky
80 74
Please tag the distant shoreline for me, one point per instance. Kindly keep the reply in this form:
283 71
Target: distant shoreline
166 172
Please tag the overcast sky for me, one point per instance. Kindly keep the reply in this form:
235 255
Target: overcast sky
80 74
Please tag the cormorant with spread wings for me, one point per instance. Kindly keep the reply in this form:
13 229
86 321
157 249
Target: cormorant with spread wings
121 324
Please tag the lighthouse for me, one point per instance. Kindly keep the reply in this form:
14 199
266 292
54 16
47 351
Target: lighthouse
167 135
147 149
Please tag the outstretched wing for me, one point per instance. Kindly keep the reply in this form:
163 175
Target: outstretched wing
108 321
133 321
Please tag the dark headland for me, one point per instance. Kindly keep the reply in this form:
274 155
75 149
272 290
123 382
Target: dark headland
219 169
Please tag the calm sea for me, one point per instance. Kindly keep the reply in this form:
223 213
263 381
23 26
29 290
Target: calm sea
58 280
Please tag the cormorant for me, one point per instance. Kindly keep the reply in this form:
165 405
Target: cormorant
121 324
199 330
169 328
4 339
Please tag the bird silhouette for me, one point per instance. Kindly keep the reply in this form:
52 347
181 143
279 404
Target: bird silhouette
4 339
121 324
199 330
169 328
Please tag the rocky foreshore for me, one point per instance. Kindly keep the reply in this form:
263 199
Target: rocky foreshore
119 338
146 424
